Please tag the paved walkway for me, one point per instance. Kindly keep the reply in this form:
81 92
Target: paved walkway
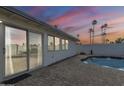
73 72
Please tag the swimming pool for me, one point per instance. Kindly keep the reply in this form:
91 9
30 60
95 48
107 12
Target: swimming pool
117 63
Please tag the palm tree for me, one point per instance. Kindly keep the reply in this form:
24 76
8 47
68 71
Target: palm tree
56 26
90 31
103 32
78 36
105 25
119 40
111 42
107 40
94 22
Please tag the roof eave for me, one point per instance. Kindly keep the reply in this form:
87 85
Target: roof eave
18 12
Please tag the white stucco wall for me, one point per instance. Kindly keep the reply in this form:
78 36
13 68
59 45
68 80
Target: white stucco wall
55 56
48 57
104 49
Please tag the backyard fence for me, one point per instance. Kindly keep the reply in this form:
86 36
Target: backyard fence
104 49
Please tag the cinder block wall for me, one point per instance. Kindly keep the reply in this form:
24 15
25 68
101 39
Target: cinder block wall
104 49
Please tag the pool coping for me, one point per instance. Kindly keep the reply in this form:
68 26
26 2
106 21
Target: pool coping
92 56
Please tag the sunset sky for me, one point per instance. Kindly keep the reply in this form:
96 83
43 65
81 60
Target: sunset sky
77 20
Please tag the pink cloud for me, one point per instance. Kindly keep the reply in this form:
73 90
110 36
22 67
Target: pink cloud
67 17
116 21
78 21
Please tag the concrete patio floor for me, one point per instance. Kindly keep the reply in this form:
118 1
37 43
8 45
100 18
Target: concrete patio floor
72 72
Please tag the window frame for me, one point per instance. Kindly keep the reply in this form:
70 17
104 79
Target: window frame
59 43
25 30
66 44
63 45
53 43
4 24
42 59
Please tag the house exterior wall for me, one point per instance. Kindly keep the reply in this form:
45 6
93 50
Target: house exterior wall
55 56
49 57
104 49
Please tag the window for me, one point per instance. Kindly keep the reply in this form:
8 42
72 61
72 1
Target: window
66 44
63 44
57 43
35 50
50 43
16 50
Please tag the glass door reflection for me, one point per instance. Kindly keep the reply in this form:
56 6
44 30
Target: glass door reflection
16 50
35 50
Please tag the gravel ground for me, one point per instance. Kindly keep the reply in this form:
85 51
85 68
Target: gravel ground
72 72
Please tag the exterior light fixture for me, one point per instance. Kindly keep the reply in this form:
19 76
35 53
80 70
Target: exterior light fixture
1 21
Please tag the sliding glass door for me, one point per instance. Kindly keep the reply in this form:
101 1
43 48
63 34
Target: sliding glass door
16 50
35 50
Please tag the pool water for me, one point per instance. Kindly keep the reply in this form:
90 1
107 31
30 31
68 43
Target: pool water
107 62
